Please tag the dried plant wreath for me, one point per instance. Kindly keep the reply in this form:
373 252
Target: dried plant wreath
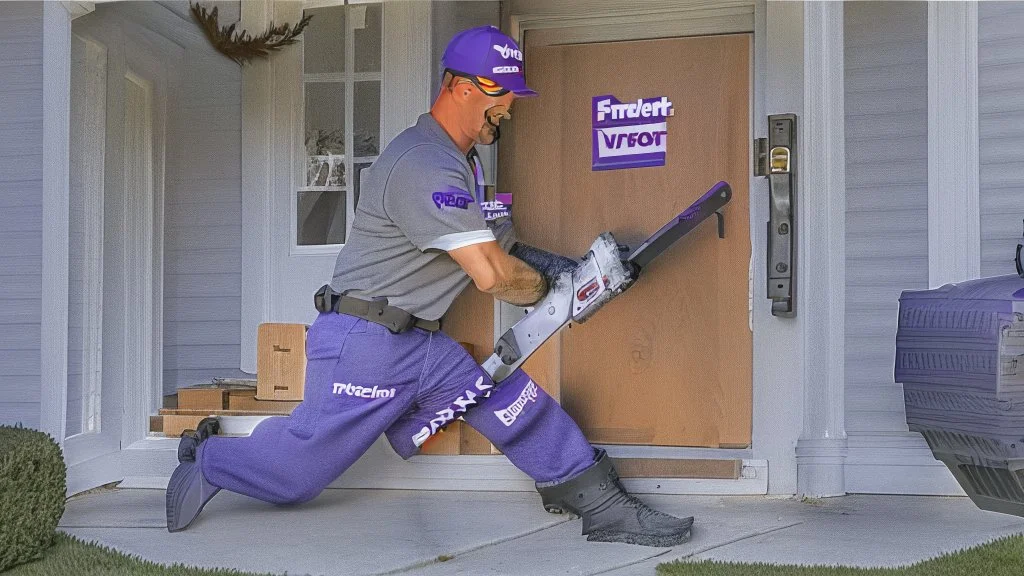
241 47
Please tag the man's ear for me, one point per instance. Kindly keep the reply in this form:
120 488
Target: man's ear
460 90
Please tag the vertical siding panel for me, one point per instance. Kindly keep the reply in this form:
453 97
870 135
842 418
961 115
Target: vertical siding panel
886 47
203 219
21 177
1001 130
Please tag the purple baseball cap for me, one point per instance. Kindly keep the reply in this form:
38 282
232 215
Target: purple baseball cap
487 52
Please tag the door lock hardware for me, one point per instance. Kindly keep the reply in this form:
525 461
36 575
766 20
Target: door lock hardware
776 159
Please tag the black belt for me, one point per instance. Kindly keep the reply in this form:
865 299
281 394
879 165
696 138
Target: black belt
377 311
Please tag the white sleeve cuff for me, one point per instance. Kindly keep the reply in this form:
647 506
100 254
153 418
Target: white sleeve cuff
460 239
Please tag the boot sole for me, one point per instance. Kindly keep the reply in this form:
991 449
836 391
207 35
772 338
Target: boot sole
640 539
179 484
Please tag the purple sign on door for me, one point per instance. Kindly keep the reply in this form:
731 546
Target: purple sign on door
629 134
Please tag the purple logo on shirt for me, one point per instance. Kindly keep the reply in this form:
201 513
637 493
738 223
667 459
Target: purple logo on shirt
452 198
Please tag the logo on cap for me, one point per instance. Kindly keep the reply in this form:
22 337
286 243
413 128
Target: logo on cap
504 69
507 52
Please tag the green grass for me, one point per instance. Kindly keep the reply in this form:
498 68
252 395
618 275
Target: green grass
1003 557
70 556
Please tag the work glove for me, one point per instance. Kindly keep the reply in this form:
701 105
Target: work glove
549 264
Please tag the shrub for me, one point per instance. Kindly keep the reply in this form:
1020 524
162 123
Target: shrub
33 485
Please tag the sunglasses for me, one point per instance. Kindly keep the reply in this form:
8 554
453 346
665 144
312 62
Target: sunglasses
486 85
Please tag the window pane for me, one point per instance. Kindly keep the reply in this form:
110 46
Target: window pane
321 217
325 133
325 170
357 169
323 40
366 135
367 37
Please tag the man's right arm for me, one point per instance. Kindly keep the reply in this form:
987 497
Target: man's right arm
505 277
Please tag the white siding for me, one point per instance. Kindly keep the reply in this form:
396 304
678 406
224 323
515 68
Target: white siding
21 159
446 19
203 217
886 53
1001 130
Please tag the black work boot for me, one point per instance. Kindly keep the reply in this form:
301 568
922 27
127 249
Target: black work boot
187 493
609 513
190 441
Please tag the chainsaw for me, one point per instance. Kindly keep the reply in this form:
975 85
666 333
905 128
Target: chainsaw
606 271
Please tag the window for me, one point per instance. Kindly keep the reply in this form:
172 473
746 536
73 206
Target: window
341 94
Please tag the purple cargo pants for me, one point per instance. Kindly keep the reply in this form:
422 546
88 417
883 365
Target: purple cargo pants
362 381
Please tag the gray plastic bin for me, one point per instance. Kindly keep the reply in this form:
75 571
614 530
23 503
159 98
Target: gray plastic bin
960 358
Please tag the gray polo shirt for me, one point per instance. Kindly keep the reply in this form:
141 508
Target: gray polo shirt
417 201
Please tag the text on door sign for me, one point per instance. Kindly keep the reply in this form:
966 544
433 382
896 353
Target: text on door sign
629 134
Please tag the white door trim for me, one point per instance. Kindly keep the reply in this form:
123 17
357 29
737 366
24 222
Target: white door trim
778 392
611 22
140 324
97 436
95 131
147 64
53 348
259 132
954 198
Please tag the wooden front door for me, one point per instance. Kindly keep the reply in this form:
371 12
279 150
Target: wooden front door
669 362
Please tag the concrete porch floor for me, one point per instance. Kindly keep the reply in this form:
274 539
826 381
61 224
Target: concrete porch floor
405 532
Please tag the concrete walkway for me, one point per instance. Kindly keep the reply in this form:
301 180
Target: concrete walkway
354 532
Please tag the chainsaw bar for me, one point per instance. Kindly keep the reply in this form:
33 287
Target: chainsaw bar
708 204
602 276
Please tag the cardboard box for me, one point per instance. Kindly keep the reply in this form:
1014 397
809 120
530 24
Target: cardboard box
280 361
246 400
174 424
445 441
202 398
175 421
210 396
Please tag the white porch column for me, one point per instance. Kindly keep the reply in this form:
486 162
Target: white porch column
954 220
53 347
821 225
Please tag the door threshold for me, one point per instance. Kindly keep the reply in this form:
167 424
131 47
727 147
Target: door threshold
148 463
676 452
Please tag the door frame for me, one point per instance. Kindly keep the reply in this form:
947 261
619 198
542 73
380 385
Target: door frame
85 446
95 465
777 390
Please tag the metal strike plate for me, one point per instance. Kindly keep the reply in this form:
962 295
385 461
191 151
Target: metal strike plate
760 157
781 172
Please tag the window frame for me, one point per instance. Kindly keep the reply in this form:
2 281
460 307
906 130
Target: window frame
348 78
